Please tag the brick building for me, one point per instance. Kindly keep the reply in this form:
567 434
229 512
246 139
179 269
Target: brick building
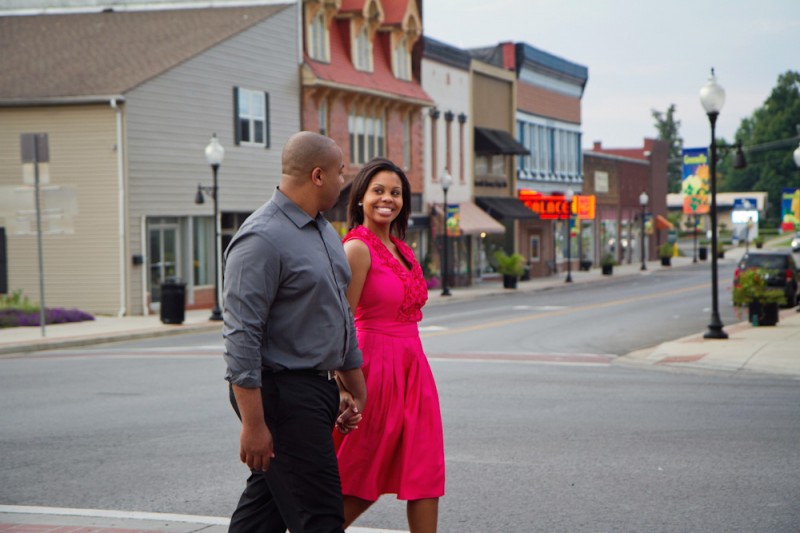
617 177
360 86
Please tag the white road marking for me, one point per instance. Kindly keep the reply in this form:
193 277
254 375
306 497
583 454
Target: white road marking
161 517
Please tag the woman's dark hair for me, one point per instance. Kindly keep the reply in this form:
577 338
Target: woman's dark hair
355 212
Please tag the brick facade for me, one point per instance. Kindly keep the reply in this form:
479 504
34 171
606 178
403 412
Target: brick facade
539 101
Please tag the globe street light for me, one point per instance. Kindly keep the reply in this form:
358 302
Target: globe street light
568 198
643 202
712 97
215 153
446 181
796 155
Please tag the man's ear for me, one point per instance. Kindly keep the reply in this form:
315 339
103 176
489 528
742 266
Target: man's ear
316 176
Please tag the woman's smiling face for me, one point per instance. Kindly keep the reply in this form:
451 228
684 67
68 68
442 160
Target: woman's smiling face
384 198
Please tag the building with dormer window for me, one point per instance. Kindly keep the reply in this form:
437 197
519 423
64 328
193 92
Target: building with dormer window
360 86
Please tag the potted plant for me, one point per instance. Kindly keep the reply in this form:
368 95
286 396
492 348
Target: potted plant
510 266
758 241
607 264
750 289
720 250
665 252
702 250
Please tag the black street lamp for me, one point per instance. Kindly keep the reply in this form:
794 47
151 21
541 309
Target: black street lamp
694 239
215 153
643 202
446 181
712 97
568 198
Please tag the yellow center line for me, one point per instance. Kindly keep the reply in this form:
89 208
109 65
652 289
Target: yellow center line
537 316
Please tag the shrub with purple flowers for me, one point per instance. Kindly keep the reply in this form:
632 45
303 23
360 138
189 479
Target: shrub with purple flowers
17 311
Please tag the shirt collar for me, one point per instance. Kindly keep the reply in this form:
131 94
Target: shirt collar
298 217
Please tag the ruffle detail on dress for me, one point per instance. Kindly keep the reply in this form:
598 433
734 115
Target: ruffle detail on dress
415 292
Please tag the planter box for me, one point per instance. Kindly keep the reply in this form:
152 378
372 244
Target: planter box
608 270
702 253
509 281
763 314
585 265
666 261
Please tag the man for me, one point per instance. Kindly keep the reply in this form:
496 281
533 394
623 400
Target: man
287 328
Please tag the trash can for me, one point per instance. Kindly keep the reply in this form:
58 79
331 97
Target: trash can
173 301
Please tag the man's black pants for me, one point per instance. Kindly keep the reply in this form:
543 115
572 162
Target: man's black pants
301 489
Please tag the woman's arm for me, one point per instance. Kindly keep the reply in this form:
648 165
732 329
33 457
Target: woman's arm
359 260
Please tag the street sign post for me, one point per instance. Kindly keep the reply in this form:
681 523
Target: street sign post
34 149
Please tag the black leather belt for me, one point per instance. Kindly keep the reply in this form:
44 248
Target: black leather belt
330 375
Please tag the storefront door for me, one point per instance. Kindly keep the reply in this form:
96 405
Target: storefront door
163 251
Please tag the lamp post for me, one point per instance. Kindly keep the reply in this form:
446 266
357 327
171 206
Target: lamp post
643 202
712 97
568 198
215 153
446 181
694 239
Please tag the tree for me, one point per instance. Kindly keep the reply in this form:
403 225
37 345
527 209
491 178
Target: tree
768 137
667 128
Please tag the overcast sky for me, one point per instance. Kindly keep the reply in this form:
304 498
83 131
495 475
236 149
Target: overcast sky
642 54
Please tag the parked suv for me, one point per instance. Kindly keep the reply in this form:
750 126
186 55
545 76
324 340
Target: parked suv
796 242
781 271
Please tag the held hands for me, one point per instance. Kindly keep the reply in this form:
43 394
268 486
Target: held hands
349 413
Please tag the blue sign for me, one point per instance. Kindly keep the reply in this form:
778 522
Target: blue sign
745 204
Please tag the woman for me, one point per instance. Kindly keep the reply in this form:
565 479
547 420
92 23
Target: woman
398 448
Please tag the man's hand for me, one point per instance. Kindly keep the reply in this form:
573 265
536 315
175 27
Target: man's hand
255 447
255 440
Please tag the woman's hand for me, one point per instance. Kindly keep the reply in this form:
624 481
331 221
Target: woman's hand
349 413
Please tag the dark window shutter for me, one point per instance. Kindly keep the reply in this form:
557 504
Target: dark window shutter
266 120
237 132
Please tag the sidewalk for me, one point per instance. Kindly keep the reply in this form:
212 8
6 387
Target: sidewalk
770 350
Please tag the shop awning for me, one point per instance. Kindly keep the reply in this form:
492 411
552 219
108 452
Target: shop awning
474 220
505 207
497 142
663 223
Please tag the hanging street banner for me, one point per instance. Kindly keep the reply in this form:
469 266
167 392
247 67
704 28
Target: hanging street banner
790 209
453 220
695 184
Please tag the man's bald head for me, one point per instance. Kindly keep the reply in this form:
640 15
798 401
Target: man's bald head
304 151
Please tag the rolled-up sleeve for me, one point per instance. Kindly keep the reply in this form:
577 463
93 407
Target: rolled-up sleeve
250 284
353 357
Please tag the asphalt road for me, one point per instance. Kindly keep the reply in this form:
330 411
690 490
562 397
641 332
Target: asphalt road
542 431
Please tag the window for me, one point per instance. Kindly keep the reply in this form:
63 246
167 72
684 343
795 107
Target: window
402 60
317 42
536 254
407 141
367 136
252 117
203 251
363 51
498 167
323 117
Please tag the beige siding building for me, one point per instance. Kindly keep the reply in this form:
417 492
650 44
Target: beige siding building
129 101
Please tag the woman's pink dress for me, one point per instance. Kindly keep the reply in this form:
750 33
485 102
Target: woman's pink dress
398 447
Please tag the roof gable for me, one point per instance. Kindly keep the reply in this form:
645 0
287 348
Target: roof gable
92 54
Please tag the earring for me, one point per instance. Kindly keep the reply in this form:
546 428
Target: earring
360 204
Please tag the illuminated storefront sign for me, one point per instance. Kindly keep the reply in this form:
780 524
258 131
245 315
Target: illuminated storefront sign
556 208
